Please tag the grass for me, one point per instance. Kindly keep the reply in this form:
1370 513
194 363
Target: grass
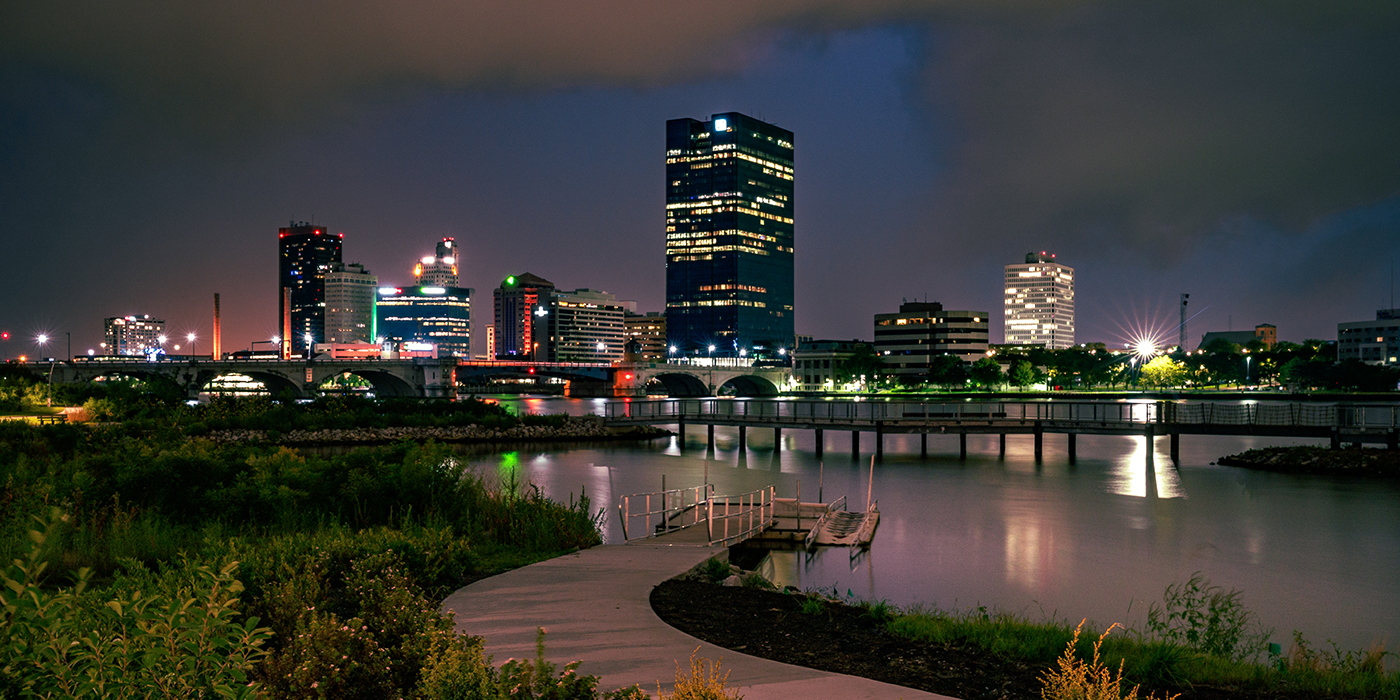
1156 662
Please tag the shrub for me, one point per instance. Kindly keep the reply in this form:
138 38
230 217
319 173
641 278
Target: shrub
178 640
716 569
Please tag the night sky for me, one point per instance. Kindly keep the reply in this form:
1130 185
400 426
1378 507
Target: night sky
1245 152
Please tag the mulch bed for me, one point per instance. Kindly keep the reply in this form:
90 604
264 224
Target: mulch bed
844 639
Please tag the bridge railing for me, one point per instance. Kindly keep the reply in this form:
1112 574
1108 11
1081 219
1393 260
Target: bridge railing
1369 417
733 518
646 515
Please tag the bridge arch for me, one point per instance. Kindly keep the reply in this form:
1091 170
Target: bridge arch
386 384
276 384
150 377
682 385
748 385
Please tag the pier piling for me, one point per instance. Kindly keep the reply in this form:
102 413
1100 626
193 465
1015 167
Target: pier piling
1039 441
1073 451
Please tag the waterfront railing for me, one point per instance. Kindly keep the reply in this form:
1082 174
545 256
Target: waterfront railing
849 412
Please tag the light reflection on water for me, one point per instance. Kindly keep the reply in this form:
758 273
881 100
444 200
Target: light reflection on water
1100 538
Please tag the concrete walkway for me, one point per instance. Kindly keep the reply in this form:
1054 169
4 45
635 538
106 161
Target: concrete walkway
594 606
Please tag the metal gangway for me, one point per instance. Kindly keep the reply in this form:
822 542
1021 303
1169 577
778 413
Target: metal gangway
695 516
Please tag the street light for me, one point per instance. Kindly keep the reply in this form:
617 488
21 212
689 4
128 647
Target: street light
43 339
190 337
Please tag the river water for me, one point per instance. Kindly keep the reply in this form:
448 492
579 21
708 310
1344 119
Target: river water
1098 539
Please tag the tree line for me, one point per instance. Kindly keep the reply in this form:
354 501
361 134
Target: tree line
1308 366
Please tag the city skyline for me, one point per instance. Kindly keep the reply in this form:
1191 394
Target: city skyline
936 146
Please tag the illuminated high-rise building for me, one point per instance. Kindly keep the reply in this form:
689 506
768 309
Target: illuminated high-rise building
132 335
430 315
349 304
1039 302
729 236
305 255
439 270
521 303
584 325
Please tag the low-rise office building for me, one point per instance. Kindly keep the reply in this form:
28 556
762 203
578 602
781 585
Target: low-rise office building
1265 333
908 341
1373 342
816 364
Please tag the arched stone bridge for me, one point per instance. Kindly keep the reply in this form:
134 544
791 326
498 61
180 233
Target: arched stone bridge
420 377
685 380
430 377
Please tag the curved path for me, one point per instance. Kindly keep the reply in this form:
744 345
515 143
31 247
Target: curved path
595 606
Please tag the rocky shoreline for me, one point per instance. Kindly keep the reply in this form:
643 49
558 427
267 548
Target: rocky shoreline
1309 459
574 428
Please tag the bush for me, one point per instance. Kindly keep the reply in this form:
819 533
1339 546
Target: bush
174 640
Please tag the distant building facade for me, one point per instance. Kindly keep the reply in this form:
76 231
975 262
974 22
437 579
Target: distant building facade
440 316
649 330
1265 333
519 301
729 236
1039 301
350 292
131 335
584 325
908 341
816 364
440 269
305 254
1373 342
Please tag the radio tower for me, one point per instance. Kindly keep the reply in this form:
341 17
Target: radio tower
1181 338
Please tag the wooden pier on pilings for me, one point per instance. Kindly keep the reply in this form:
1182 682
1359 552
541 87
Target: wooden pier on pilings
1339 423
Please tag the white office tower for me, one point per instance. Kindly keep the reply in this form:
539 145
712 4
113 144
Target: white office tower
439 270
349 304
1040 302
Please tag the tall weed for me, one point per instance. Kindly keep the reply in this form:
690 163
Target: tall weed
1075 679
1209 619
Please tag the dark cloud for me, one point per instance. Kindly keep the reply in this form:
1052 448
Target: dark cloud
1138 126
1135 124
221 62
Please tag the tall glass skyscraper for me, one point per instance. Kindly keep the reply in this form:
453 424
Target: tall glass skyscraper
305 254
729 256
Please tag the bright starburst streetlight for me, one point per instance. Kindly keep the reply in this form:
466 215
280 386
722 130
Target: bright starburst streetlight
1145 348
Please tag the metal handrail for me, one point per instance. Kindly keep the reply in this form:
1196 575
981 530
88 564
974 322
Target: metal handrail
752 514
671 502
1163 412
